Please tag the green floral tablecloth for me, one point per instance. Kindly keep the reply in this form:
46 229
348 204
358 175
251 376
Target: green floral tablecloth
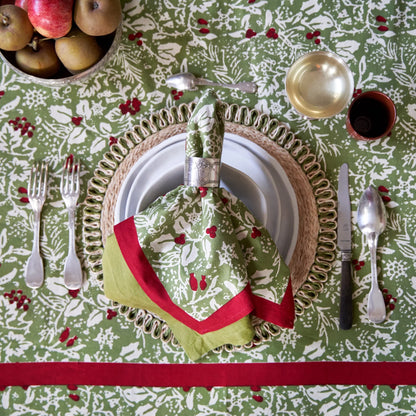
229 41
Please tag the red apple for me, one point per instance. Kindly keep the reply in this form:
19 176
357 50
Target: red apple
21 3
51 18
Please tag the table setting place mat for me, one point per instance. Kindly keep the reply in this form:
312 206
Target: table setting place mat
315 223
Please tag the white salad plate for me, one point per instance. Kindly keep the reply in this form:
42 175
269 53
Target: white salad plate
248 171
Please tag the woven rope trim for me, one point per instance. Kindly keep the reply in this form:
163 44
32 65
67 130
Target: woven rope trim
274 131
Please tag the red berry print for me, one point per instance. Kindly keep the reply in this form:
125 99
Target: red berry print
203 30
203 283
133 36
383 189
193 283
73 292
180 239
224 200
251 1
64 335
203 191
389 300
382 19
255 232
257 398
271 33
1 93
250 33
23 199
386 198
130 106
23 125
212 231
255 388
77 120
71 341
314 34
74 397
111 314
177 94
72 387
21 300
112 140
357 92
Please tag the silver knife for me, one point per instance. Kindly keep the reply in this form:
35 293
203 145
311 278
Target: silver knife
344 244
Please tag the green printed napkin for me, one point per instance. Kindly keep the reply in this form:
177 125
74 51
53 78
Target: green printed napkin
196 256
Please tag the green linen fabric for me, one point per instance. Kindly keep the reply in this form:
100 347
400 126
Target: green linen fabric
229 41
121 286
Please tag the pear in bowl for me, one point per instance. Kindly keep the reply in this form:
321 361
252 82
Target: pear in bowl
78 51
39 59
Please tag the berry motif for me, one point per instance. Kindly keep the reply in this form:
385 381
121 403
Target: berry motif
130 106
138 35
203 191
17 296
315 34
111 314
64 335
177 94
255 232
212 231
271 33
73 292
193 283
112 140
23 199
180 239
71 341
23 125
203 283
77 120
257 398
250 33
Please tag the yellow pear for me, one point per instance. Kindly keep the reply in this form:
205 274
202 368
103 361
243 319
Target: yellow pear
97 17
39 60
77 51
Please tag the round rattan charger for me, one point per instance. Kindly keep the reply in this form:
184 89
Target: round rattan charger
315 248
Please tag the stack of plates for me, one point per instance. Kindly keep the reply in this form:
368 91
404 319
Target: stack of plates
247 171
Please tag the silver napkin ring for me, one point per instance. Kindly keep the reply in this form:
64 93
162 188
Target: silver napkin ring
201 171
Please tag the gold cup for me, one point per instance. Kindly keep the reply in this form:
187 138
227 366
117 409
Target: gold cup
319 85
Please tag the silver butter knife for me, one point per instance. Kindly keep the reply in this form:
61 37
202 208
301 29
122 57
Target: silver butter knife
344 244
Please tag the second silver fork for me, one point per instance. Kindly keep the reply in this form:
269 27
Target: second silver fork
70 194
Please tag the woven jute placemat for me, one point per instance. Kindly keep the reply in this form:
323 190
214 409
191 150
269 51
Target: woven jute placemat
316 241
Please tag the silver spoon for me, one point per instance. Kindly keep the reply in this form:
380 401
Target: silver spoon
187 81
371 217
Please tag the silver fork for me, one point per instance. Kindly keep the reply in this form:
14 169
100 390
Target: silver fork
70 194
36 192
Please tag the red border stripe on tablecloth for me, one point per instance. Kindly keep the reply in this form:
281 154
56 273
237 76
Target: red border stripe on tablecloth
208 375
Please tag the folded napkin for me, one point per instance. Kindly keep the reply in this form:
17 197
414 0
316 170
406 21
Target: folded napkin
197 257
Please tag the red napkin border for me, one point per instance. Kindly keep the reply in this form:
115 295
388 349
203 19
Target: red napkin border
282 314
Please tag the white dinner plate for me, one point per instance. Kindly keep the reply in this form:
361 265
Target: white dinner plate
248 172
